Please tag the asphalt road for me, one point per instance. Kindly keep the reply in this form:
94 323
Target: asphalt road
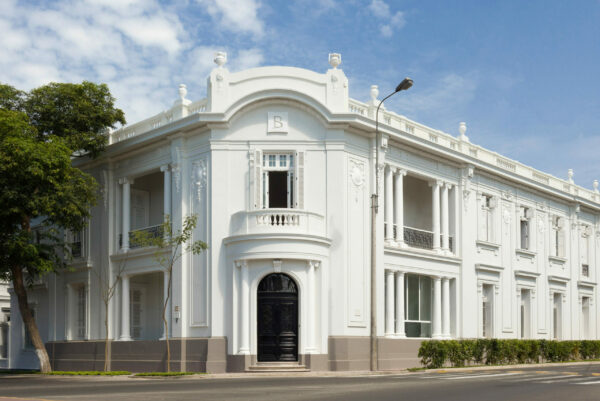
564 383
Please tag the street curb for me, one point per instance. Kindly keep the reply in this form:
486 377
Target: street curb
361 373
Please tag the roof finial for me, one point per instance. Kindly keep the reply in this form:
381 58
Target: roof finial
462 128
335 59
570 174
596 186
182 91
374 93
220 58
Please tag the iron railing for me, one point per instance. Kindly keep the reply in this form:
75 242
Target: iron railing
154 231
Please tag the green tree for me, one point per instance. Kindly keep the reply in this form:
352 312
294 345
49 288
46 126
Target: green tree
40 132
170 247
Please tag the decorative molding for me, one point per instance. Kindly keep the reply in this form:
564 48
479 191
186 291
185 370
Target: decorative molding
357 177
199 176
176 168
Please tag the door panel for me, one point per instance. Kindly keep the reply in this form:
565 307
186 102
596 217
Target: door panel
277 319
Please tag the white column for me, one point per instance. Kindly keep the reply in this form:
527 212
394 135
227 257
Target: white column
400 332
245 309
445 219
168 308
436 330
389 303
312 327
399 206
125 335
166 189
435 208
389 205
446 307
126 211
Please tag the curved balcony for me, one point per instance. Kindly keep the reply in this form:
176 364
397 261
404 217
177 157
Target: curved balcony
277 234
277 221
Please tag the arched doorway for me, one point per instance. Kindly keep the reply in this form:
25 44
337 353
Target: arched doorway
277 319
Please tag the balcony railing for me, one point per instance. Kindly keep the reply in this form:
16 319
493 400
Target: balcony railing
291 221
422 239
418 238
154 231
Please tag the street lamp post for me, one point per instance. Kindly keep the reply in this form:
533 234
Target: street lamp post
404 85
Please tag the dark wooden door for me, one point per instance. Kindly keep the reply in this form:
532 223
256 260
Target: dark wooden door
277 319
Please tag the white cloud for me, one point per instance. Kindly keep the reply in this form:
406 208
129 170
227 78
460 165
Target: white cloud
389 21
448 93
140 48
236 15
379 8
249 58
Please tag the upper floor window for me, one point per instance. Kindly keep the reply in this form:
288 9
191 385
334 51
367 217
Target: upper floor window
486 217
278 180
584 250
524 230
557 237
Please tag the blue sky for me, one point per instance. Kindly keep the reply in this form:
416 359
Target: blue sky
524 75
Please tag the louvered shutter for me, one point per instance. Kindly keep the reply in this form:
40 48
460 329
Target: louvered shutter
561 243
81 311
257 180
299 192
135 313
140 209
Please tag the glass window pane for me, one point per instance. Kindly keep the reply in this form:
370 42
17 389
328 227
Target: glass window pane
412 297
415 329
291 160
282 160
425 298
272 160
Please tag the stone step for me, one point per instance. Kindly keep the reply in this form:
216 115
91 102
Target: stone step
277 367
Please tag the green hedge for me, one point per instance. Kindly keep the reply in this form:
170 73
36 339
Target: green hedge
436 354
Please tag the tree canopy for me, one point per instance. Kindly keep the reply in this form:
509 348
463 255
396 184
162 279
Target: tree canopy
40 133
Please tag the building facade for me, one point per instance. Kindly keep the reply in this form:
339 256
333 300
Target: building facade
278 164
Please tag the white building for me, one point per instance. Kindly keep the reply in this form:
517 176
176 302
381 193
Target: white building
4 324
278 165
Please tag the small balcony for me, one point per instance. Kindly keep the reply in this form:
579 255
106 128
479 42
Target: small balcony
153 232
422 239
277 221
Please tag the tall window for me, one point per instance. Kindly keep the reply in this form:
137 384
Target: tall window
136 298
486 216
278 181
557 316
487 311
557 238
524 314
81 321
585 317
524 227
417 306
584 250
27 342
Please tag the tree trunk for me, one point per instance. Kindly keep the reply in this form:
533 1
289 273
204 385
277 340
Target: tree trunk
29 321
107 344
164 316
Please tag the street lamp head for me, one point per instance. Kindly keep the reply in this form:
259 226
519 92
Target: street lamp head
404 85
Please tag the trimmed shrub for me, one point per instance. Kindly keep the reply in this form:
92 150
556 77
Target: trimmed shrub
440 353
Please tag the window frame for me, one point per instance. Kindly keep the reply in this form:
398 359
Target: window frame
419 302
272 161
